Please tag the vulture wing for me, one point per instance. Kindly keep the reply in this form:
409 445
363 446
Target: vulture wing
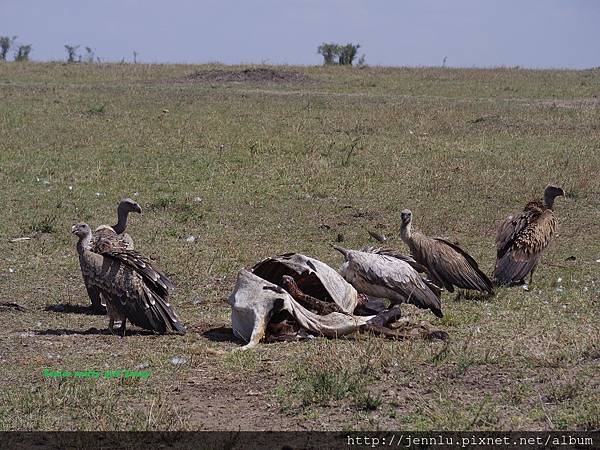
514 224
377 274
129 291
395 254
453 266
407 259
152 275
525 249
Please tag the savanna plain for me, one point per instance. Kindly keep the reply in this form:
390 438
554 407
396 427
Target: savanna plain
232 164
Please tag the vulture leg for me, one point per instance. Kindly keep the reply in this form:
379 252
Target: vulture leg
122 327
111 325
531 274
98 306
114 316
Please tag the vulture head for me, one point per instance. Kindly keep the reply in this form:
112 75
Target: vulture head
81 230
406 217
551 192
127 205
84 233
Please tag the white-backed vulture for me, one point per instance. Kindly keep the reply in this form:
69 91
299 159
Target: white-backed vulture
133 289
437 290
448 265
385 276
523 237
115 235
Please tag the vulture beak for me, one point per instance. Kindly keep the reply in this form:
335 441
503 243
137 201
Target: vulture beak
74 229
137 208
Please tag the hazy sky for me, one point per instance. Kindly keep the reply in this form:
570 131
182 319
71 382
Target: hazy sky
528 33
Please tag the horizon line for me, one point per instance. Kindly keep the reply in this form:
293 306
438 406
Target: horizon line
265 64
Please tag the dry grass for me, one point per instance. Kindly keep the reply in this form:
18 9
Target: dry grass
254 169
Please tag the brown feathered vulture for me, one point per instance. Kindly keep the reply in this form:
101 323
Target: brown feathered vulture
448 265
523 237
384 276
131 286
107 238
115 235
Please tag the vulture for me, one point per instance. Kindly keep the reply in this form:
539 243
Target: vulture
107 238
115 235
448 265
409 260
130 285
384 276
523 237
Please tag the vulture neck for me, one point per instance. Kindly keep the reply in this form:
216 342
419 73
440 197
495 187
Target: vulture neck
406 232
122 214
343 251
549 201
84 243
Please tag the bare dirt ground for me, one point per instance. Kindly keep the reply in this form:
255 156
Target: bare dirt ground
252 75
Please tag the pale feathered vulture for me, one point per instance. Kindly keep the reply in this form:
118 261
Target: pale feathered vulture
385 276
407 259
448 265
115 235
131 286
523 237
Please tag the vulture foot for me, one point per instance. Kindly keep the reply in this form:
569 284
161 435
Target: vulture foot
120 331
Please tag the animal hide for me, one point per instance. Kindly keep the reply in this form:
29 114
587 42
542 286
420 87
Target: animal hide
256 299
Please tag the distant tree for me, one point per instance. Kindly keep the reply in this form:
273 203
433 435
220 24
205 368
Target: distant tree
347 53
71 52
342 55
22 53
329 51
135 55
5 44
89 56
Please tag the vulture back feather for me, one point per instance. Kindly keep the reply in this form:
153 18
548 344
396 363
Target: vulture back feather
384 276
409 260
522 238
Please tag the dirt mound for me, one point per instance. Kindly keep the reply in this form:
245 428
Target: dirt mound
576 103
250 75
